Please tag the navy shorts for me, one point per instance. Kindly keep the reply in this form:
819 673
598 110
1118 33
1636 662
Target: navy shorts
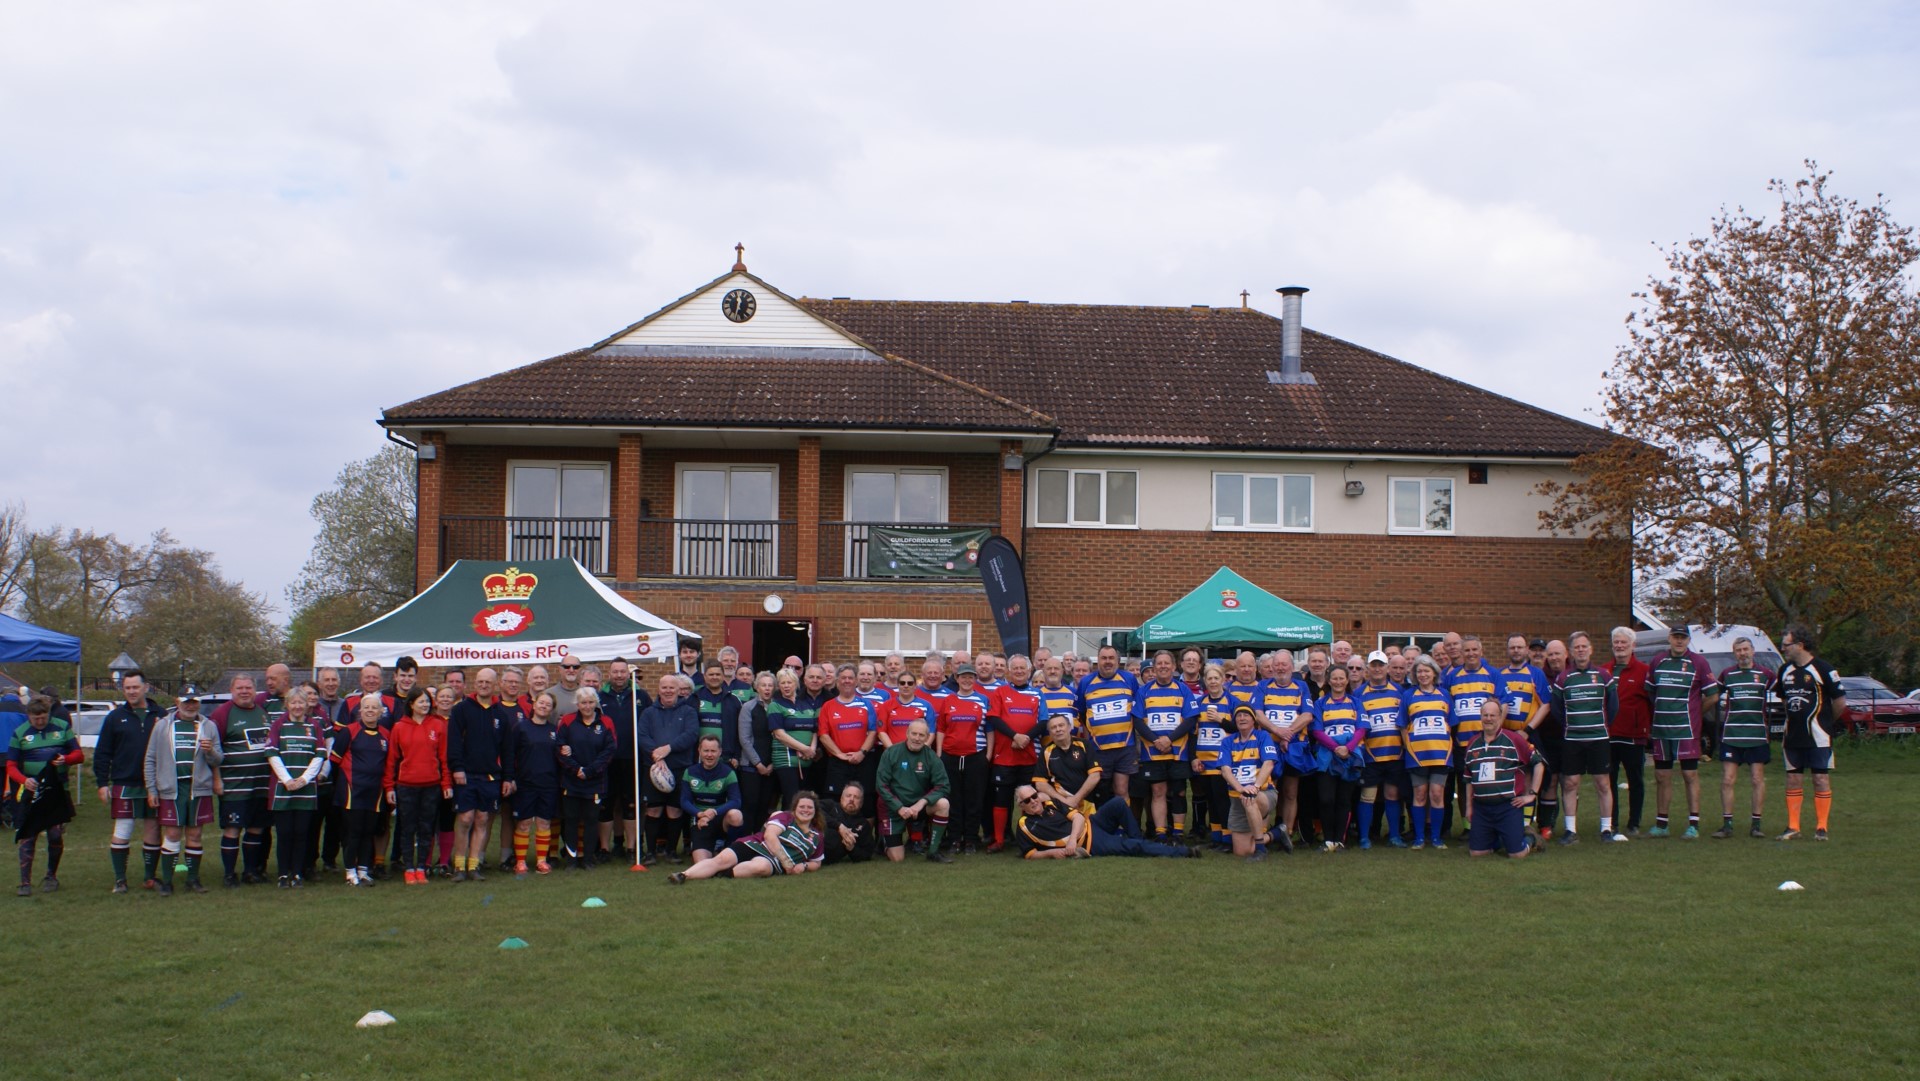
1124 761
1379 774
1816 759
1746 756
476 795
243 813
1495 822
1163 772
536 803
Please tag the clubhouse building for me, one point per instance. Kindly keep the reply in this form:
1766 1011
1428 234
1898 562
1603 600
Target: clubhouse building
793 475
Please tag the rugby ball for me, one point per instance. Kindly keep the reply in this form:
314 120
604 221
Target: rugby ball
662 777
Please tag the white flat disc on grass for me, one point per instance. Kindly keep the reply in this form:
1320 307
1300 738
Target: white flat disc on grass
374 1019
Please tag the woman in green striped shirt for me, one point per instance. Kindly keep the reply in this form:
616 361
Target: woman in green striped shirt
296 752
793 722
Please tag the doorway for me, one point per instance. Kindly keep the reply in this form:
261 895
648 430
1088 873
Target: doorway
765 643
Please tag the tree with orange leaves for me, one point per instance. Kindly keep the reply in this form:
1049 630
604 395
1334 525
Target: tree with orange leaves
1769 390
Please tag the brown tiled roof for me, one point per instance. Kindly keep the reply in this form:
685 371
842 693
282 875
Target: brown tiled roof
1197 377
805 388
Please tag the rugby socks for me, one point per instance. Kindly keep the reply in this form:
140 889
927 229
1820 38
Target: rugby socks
1436 823
650 838
26 860
1694 821
1659 822
1726 820
542 843
938 835
253 845
1393 819
446 848
1419 817
229 853
1366 820
1793 809
56 844
166 869
1754 822
1549 816
149 857
117 850
1822 807
193 864
519 843
999 825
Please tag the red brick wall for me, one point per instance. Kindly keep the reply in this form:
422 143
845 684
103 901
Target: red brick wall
973 482
1485 585
476 476
836 611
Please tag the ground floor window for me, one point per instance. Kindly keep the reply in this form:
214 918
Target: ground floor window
1079 641
914 638
1425 640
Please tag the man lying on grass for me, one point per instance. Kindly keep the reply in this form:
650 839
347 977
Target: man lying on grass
1048 830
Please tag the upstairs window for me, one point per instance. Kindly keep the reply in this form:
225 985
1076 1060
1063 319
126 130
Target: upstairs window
1095 498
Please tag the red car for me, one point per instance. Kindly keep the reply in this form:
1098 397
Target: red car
1874 710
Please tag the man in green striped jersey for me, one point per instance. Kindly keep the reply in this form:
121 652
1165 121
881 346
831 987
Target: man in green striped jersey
1743 734
1581 693
243 723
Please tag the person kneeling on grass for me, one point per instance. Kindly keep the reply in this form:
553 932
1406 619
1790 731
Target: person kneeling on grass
790 845
1493 770
1248 760
710 799
913 788
1049 830
848 830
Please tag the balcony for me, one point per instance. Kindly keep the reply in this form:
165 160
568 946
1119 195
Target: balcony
846 546
716 548
472 536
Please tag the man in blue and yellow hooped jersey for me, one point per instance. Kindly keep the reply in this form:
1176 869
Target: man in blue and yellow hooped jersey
1385 771
1109 705
1285 708
1165 730
1246 684
1469 685
1056 697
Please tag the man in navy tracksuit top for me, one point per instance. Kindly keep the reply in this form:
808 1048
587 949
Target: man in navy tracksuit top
476 734
119 770
666 732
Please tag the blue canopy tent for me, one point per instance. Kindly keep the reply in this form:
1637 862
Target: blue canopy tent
21 642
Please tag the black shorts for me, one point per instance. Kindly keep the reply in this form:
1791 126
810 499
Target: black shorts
1687 765
1746 756
1012 776
1164 772
244 813
1552 748
652 797
618 802
536 803
1124 762
478 794
1585 757
1378 774
710 837
1288 769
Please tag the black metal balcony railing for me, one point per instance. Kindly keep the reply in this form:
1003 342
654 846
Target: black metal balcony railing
474 536
716 548
844 545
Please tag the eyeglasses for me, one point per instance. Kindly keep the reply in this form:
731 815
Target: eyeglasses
569 666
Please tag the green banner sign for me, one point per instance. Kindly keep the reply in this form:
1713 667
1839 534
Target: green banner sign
923 552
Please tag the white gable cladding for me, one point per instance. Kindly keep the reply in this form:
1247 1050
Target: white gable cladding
699 321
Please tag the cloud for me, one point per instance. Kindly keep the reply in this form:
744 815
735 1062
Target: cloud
231 234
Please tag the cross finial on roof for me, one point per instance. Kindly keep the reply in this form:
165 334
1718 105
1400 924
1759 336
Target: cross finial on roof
740 258
1243 298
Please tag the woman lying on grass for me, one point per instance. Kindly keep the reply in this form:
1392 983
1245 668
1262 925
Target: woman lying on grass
790 845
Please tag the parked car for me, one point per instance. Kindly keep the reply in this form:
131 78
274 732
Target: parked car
1873 709
1715 643
87 717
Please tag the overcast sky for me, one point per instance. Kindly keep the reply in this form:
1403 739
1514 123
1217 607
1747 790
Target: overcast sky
230 234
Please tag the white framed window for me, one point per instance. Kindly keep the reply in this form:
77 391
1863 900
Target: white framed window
558 510
725 520
1264 501
1423 640
1079 641
1087 498
1419 505
888 494
914 637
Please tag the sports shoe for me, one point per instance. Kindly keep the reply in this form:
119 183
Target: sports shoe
1439 846
1397 842
147 884
1569 838
286 882
1819 835
998 847
678 878
1332 846
936 856
1657 831
460 876
119 885
1692 834
299 882
161 889
1366 844
1195 852
475 875
1723 832
231 882
1790 835
1611 837
194 886
1285 841
26 889
1757 832
49 884
353 877
1256 857
1416 846
543 867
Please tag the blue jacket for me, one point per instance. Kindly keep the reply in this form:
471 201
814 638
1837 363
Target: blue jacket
584 772
120 756
676 726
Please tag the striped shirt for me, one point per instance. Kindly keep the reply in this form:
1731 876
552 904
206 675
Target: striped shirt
1491 765
1380 711
297 746
1241 756
1109 708
1582 696
1165 711
1210 732
1675 686
1429 728
243 754
1469 691
1744 692
798 722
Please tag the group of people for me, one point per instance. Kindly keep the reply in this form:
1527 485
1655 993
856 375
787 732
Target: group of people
737 773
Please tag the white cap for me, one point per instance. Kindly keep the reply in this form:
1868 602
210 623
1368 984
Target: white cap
1378 656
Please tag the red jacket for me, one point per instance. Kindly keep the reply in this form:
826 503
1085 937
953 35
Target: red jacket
417 753
1632 713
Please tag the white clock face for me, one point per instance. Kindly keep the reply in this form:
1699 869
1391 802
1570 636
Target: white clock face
773 604
738 305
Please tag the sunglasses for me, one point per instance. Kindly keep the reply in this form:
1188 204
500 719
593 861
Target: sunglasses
569 666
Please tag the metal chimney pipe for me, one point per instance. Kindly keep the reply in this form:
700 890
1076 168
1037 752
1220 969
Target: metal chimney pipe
1290 367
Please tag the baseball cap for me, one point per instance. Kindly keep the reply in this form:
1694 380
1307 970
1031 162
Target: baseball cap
1681 631
1536 643
189 692
963 670
1378 656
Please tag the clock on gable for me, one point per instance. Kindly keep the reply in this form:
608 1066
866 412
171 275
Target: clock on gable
738 305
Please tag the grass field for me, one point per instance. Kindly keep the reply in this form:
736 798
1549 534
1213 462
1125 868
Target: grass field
1654 959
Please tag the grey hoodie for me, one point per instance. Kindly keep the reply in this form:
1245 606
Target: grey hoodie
161 779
